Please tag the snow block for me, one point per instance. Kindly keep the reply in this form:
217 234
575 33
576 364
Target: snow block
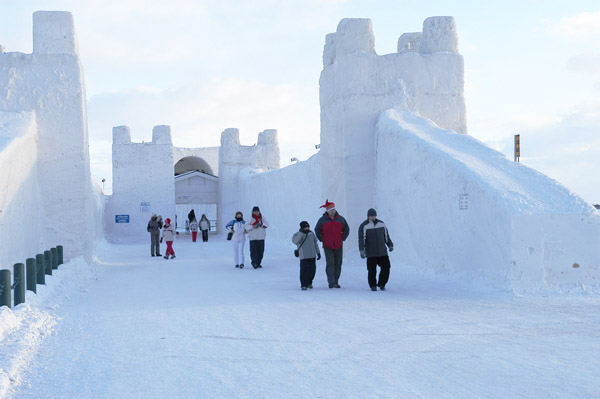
439 35
461 209
409 42
54 33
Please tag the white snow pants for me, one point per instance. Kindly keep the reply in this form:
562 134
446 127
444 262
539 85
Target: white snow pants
238 251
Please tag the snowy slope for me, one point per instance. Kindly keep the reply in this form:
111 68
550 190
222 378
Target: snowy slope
517 229
196 327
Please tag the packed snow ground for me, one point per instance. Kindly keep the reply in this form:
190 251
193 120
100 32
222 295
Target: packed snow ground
196 327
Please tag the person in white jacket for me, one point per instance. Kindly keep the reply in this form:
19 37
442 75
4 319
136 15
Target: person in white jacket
236 228
168 235
257 234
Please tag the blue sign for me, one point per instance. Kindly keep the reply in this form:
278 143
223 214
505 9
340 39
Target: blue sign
121 218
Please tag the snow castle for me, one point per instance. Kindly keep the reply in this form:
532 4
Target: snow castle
393 137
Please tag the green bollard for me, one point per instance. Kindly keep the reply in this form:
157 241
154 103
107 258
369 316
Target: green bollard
54 258
40 269
59 248
31 274
48 262
5 289
19 284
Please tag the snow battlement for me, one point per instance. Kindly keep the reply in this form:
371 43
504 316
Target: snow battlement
54 33
161 134
264 155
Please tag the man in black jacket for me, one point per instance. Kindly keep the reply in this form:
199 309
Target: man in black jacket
373 237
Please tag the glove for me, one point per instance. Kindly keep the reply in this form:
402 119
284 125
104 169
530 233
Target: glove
161 240
318 256
391 249
362 254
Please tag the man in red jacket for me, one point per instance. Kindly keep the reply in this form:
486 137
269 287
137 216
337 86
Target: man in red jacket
332 230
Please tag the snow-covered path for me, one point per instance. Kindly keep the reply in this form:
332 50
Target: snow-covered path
196 327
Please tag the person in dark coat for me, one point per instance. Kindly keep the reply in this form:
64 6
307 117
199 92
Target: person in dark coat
308 252
191 216
154 230
332 230
373 243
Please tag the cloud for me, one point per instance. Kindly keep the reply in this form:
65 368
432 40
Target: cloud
587 63
199 113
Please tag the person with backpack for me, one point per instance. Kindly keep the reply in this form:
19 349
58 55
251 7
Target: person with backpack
154 230
307 251
332 230
373 237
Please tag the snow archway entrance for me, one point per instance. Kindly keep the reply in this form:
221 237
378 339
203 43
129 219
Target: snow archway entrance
195 188
189 164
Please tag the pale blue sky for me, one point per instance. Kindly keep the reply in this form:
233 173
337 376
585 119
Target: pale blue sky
531 67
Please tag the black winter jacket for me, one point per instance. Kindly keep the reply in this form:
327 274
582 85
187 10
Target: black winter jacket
373 238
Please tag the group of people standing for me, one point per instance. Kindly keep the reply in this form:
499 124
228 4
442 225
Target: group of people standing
194 225
332 230
256 232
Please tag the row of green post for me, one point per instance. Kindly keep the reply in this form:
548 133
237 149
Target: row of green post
37 269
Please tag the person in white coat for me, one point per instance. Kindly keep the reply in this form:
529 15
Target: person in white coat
237 230
256 234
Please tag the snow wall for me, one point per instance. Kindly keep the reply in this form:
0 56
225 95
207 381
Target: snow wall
143 184
457 207
49 86
235 158
285 197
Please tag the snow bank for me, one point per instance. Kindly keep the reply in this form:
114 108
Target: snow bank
24 329
457 207
285 197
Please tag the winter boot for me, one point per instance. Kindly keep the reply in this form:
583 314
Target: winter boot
172 256
237 266
304 288
310 286
241 266
373 288
166 257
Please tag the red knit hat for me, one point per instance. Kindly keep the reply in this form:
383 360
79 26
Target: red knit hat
329 206
168 221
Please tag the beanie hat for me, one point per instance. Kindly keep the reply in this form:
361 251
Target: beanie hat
371 212
255 209
304 224
329 206
168 220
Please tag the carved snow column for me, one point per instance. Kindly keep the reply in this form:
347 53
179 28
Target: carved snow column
63 147
348 116
230 165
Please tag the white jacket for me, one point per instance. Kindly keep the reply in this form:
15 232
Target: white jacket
257 232
239 231
168 233
194 226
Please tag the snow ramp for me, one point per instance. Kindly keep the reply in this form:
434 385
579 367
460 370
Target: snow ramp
462 209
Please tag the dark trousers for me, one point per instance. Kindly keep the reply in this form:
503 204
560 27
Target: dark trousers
384 263
154 244
257 249
308 268
204 235
333 259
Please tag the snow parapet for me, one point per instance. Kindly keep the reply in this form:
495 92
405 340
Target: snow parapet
460 208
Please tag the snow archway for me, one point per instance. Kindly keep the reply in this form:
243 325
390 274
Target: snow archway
192 163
